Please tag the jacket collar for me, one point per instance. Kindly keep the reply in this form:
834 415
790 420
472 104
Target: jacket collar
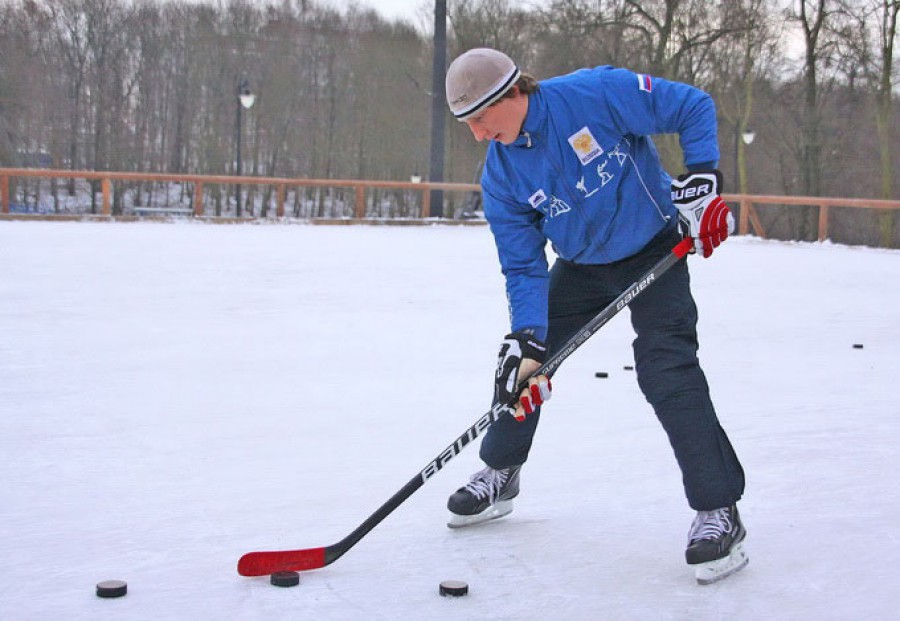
534 119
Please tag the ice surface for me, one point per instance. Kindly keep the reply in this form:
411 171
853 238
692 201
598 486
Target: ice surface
174 395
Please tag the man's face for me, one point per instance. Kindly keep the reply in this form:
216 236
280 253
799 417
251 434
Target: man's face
501 121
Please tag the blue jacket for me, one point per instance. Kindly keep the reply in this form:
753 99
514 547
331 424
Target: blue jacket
585 175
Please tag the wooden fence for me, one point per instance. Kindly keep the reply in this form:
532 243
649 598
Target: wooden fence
748 222
198 181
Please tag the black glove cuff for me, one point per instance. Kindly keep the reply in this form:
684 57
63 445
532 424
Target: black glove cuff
532 347
682 186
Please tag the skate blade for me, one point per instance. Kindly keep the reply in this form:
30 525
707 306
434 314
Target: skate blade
496 510
713 571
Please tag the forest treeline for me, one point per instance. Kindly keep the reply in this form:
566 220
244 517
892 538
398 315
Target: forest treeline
152 85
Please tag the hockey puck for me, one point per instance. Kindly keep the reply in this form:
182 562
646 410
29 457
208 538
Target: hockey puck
453 588
601 374
857 346
628 367
285 578
112 588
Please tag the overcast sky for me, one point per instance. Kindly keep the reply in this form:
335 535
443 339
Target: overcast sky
409 10
418 12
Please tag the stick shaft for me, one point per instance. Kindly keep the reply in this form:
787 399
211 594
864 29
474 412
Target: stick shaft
263 563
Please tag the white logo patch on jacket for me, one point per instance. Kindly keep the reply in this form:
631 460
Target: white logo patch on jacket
557 207
537 198
585 145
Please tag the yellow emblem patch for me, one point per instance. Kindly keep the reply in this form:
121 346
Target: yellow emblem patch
585 145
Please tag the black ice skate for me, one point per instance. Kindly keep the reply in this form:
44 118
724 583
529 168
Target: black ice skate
715 544
487 496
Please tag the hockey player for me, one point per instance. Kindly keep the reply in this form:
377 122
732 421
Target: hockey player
570 160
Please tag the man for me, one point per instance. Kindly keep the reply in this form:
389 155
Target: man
570 160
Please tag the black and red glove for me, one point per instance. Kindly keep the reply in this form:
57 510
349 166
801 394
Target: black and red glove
521 354
702 214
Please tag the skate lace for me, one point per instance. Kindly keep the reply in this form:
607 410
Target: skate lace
487 483
710 524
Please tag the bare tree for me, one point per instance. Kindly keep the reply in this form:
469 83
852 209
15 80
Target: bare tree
814 18
738 63
675 34
500 24
887 32
586 33
69 30
866 46
150 85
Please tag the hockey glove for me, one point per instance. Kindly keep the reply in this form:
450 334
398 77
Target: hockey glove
521 355
702 214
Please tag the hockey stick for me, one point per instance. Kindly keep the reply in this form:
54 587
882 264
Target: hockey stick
264 563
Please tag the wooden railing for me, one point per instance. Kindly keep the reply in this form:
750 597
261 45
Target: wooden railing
749 215
279 183
747 202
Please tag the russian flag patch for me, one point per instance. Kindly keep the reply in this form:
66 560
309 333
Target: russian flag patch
644 82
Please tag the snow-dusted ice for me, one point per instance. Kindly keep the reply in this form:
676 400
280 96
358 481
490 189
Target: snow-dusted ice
174 395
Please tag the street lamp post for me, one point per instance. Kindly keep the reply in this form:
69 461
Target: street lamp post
245 99
438 105
747 138
742 136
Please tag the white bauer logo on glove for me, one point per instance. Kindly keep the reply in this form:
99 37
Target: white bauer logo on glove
521 355
702 214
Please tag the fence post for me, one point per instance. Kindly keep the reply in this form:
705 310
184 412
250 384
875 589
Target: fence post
4 193
426 203
360 202
823 222
104 186
198 198
279 207
744 226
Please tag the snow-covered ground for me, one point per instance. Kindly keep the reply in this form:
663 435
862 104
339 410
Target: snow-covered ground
174 395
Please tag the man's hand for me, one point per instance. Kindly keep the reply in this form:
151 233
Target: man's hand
702 214
521 355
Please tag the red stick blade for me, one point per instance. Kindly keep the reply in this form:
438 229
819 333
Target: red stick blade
265 563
